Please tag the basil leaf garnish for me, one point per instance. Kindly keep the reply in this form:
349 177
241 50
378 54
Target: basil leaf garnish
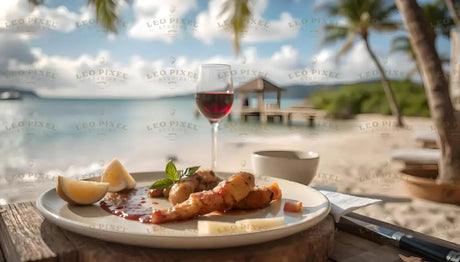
162 183
171 171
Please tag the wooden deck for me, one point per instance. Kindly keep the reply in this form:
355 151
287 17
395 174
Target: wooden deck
284 114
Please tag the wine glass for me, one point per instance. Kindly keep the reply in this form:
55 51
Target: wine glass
214 97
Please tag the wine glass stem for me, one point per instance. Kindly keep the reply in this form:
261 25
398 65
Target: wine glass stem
215 126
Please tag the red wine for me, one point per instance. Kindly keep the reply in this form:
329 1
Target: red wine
214 105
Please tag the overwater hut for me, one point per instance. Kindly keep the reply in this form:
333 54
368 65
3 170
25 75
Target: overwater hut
265 110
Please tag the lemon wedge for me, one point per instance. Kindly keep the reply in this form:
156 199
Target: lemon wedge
118 178
80 192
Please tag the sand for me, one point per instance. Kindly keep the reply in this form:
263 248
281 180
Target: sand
358 162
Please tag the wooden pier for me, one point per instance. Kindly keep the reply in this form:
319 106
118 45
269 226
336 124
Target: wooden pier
268 111
285 115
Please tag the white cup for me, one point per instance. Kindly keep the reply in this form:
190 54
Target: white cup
295 166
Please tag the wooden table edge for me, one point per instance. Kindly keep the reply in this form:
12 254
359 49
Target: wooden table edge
9 253
7 250
14 252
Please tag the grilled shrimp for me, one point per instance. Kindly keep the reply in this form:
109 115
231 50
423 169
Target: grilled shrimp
222 198
179 192
201 180
260 197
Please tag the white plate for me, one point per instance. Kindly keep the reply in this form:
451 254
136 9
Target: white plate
95 222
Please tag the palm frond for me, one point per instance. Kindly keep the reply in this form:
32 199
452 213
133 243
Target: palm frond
352 10
437 16
412 72
400 43
444 58
106 14
36 2
381 10
347 46
386 26
240 14
334 33
331 8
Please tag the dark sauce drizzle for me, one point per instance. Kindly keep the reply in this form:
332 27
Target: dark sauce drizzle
129 204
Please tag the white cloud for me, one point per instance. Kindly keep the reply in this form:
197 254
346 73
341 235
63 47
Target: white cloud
87 19
161 20
356 65
60 18
286 57
13 8
213 24
13 49
19 17
101 76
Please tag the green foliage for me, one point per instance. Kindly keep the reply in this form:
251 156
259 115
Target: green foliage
106 14
360 98
240 13
362 17
172 176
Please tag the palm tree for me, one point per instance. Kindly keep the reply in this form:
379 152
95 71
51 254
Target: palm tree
437 16
445 117
364 16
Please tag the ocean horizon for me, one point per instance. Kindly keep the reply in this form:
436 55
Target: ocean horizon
42 134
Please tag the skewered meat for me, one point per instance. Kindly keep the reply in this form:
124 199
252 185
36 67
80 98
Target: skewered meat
179 192
222 198
201 180
260 197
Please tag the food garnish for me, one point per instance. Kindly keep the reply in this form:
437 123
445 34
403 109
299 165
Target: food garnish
117 176
172 176
294 207
80 192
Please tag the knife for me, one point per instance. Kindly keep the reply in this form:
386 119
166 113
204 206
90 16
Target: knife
407 242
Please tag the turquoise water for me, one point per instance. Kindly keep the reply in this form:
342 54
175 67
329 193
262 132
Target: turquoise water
43 134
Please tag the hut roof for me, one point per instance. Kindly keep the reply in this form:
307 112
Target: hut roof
258 85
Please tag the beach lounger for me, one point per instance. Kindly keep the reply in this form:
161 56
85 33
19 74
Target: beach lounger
428 140
418 161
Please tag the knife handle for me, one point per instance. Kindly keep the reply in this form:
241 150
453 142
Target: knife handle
429 250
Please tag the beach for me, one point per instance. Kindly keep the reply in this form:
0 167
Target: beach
355 155
358 162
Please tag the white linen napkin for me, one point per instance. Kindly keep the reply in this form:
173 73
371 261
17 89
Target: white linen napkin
342 204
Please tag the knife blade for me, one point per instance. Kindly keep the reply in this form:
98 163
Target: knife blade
407 242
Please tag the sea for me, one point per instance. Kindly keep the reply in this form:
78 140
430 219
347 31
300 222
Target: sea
44 137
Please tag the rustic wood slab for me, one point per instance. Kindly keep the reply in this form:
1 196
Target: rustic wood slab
26 236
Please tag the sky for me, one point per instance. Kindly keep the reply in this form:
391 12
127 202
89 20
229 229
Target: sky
58 50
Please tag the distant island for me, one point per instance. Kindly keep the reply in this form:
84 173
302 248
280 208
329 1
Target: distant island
298 91
15 93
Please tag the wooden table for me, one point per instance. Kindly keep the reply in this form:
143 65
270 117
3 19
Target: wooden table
26 236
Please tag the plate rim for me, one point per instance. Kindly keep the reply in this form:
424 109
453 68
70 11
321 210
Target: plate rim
81 228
